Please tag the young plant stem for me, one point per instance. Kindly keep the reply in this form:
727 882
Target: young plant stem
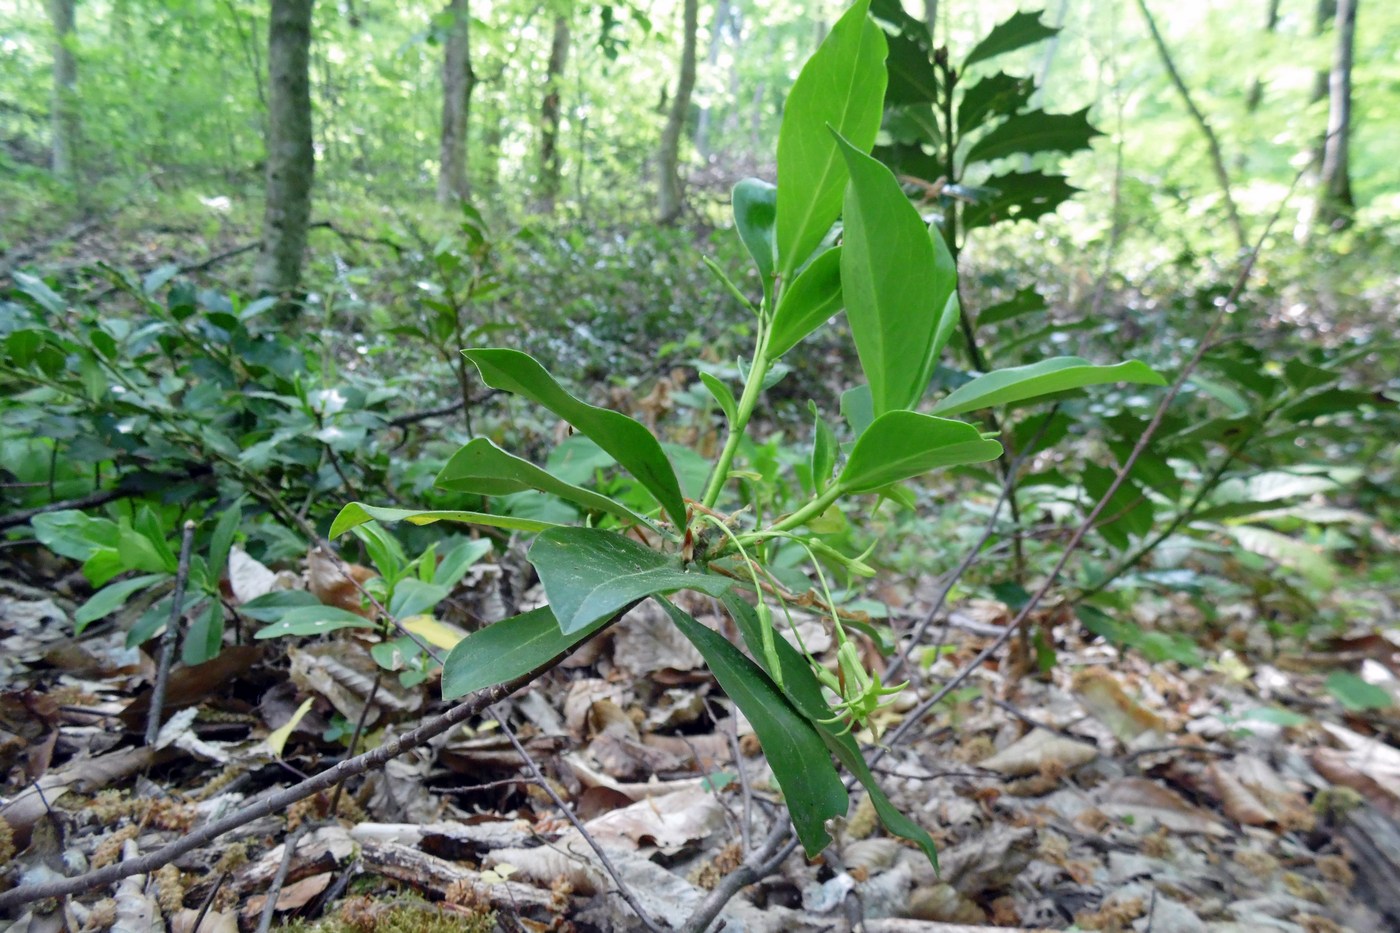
753 387
811 510
171 636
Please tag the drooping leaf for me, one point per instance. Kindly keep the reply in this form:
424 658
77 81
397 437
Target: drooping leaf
1025 301
900 445
357 513
842 86
1017 196
482 467
895 317
722 394
803 690
1047 377
1021 30
1035 132
205 637
994 96
111 598
312 620
799 758
823 449
755 204
506 650
626 440
589 574
807 303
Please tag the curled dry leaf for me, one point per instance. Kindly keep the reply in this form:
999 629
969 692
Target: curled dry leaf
1039 750
568 858
1146 801
335 582
292 897
589 776
1236 801
249 578
345 676
1103 698
670 823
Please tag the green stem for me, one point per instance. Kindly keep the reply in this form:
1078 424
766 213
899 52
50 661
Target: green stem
809 511
753 387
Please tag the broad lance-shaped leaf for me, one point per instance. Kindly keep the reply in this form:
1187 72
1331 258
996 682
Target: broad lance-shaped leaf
894 285
588 574
803 690
508 649
807 303
482 467
1044 378
1035 132
842 86
357 513
900 445
626 440
1021 30
755 204
799 758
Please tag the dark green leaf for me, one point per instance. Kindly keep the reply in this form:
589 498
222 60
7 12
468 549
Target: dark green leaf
626 440
841 86
1021 30
357 513
823 449
1128 514
312 620
799 758
755 204
414 597
482 467
1025 301
111 598
221 542
205 639
589 574
1044 378
1017 196
900 445
270 607
1035 132
994 96
807 303
506 650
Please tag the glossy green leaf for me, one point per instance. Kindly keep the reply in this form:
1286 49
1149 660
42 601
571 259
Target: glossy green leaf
482 467
589 574
1021 30
842 86
357 513
803 690
722 394
894 285
205 638
823 449
994 96
506 650
806 304
312 620
1035 132
1047 377
111 598
755 205
900 445
812 789
626 440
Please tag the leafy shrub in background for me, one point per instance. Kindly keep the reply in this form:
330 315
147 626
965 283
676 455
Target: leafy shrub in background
896 280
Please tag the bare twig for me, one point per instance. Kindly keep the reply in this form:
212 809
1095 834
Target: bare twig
776 848
208 902
275 890
355 736
171 636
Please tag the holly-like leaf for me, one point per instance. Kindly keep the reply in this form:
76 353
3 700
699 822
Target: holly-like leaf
1044 378
994 96
1035 132
483 468
799 758
1018 196
900 445
626 440
841 86
357 513
506 650
807 303
589 574
1021 30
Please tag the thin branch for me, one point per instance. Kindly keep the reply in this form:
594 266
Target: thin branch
172 633
776 848
274 891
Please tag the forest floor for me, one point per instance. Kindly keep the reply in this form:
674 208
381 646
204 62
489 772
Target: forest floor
1105 794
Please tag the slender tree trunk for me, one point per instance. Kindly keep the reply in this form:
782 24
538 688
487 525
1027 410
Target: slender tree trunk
1255 97
291 157
458 82
550 172
702 126
1337 201
670 198
1217 158
64 111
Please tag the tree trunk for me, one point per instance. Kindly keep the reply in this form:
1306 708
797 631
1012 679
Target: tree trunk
458 82
1323 14
1337 201
291 158
670 197
702 126
1255 97
65 93
550 171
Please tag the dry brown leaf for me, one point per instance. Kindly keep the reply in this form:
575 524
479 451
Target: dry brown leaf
1104 699
292 897
1144 800
1378 762
1038 749
1236 801
589 776
215 921
327 580
191 685
248 578
645 640
83 776
344 673
670 823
